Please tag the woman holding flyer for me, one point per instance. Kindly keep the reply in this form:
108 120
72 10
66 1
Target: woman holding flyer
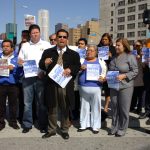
90 90
106 41
126 64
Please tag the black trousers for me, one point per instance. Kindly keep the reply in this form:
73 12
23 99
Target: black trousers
10 91
21 102
56 97
147 101
137 100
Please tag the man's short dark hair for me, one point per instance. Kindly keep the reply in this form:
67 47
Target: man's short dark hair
34 26
25 31
83 39
62 30
7 40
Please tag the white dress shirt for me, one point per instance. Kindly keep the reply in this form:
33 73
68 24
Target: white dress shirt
33 51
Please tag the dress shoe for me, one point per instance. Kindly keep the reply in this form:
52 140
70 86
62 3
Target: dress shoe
118 135
143 116
95 132
81 130
26 130
148 131
148 122
65 136
14 126
110 133
47 135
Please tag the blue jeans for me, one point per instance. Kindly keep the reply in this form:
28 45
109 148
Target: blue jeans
33 88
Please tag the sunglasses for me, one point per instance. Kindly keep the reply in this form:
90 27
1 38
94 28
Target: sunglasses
64 37
52 39
137 45
80 43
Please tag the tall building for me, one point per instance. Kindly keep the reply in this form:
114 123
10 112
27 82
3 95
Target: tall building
43 22
28 20
10 30
59 26
90 30
124 18
74 35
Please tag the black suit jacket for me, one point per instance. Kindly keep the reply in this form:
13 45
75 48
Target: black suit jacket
71 60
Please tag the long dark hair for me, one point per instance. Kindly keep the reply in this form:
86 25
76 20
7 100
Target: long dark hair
109 38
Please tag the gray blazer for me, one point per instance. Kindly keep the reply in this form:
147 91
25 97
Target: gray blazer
125 64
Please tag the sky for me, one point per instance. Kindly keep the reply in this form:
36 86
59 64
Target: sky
71 12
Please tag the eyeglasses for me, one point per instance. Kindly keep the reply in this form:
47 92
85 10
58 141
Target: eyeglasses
52 40
64 37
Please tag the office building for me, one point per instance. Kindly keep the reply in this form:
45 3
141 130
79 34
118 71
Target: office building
124 18
11 30
59 26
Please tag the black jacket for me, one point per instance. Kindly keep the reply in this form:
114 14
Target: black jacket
71 60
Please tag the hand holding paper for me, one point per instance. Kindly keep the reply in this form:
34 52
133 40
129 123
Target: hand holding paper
121 77
67 72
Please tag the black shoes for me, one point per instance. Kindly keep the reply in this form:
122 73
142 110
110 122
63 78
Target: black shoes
48 135
81 130
26 130
148 122
95 132
118 135
65 136
14 126
111 134
143 116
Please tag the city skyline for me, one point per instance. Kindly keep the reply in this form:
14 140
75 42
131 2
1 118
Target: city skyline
65 12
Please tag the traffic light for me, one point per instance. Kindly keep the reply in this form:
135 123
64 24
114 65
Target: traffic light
146 16
88 31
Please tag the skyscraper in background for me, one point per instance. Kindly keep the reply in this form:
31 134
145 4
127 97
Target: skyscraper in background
10 30
43 22
29 19
59 26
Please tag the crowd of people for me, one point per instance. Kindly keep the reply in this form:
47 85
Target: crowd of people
40 101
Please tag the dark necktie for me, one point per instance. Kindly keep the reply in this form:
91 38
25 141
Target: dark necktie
60 60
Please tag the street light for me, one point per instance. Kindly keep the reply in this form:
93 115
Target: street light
15 37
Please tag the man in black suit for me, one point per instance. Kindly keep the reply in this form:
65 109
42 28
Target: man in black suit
54 94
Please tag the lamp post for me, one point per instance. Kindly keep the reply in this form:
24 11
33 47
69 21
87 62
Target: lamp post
15 37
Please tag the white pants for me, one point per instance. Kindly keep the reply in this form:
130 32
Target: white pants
90 114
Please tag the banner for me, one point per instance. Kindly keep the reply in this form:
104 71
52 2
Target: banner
30 68
103 52
56 74
92 72
4 71
29 19
112 79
